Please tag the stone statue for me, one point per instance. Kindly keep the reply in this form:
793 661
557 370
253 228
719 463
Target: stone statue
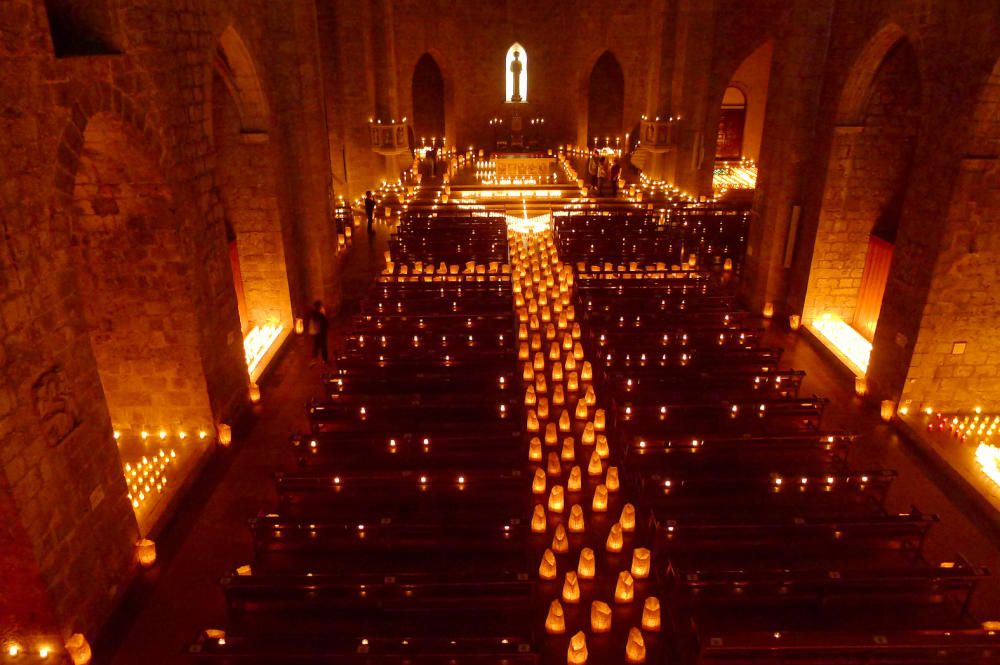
515 69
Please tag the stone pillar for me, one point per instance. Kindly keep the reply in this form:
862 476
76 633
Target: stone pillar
787 150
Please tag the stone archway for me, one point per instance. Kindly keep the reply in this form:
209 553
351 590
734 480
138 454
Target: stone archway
606 101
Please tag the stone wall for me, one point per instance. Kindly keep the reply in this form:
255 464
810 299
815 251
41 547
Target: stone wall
72 314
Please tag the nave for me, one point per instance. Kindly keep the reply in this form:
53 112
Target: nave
559 446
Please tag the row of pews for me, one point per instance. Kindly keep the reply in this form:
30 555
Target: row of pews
399 535
767 544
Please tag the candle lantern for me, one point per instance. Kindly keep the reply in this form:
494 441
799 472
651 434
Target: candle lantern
535 449
528 374
600 503
564 422
640 563
553 467
576 524
573 382
575 481
888 408
576 653
611 479
555 621
145 551
768 310
78 649
588 436
602 446
615 538
225 434
794 321
595 468
539 362
560 541
587 565
651 614
627 519
300 326
540 385
575 331
625 588
532 423
578 354
727 265
557 372
599 421
600 617
523 352
547 568
860 386
538 521
558 395
590 397
543 407
581 410
538 483
551 436
571 588
568 453
635 649
556 499
254 393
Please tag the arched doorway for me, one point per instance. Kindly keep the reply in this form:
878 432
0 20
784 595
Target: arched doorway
732 118
246 179
867 180
606 102
428 101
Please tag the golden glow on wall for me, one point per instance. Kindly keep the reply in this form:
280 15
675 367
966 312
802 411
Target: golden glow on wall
259 345
988 457
846 342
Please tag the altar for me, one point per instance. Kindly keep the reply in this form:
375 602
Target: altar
522 166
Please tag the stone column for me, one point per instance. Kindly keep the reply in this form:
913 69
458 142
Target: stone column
787 150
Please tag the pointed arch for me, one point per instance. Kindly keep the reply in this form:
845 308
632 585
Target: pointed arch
428 98
236 67
606 98
857 87
516 52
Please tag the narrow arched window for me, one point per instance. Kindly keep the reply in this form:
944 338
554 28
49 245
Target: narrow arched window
516 74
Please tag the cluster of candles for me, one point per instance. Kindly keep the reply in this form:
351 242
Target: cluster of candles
257 342
147 475
981 428
555 371
741 175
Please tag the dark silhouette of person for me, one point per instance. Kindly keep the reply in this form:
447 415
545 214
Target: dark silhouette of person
318 325
369 208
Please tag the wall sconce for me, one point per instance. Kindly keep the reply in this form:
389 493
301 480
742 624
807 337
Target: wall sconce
576 524
615 539
538 520
576 653
587 564
145 551
547 568
625 588
571 588
635 649
641 558
555 620
651 614
600 617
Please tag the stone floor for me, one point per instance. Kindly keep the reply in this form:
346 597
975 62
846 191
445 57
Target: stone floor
209 537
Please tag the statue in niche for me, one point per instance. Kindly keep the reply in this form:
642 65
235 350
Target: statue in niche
515 70
55 405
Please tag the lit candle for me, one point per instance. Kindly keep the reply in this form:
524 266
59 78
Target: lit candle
560 541
615 538
576 653
535 449
624 589
640 563
547 568
554 467
581 410
587 564
627 519
538 521
555 621
600 503
611 479
576 523
538 483
568 453
635 649
599 421
595 468
571 588
600 617
651 614
587 438
575 481
556 499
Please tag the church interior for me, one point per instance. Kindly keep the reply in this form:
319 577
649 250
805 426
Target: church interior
500 332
